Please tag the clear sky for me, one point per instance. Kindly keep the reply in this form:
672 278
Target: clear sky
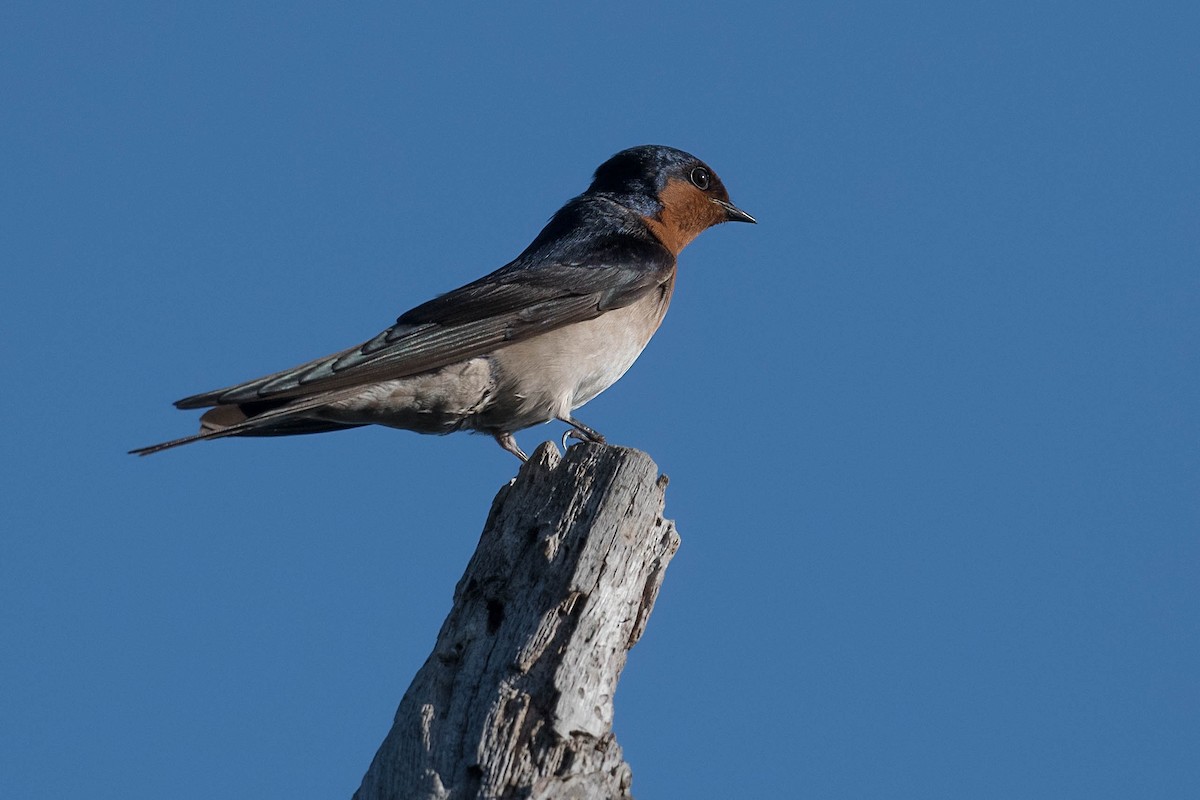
931 426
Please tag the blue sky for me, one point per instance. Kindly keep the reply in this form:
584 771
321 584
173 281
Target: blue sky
931 426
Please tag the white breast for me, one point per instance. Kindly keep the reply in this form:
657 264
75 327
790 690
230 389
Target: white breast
550 375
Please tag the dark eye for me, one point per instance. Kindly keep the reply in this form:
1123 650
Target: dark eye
701 178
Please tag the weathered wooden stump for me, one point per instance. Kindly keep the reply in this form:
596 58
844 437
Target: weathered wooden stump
516 700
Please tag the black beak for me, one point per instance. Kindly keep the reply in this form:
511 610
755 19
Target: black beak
733 213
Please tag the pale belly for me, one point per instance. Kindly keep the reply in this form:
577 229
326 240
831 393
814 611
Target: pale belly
550 375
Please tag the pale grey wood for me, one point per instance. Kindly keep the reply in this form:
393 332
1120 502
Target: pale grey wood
516 700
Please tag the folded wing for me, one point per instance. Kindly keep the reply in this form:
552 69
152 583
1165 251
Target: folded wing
514 303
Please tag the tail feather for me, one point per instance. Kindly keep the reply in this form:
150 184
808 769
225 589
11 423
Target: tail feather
158 448
286 419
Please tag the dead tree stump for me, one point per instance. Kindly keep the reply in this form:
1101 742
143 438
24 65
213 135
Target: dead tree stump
516 700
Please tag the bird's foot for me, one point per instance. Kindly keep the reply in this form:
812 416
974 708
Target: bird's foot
507 441
580 432
571 433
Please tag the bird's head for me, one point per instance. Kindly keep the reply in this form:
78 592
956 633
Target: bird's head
677 194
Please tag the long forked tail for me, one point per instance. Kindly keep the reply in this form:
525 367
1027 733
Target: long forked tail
158 448
285 420
217 423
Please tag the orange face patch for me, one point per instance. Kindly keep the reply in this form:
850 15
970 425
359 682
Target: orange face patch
686 213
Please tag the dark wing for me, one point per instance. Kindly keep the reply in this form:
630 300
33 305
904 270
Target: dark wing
517 301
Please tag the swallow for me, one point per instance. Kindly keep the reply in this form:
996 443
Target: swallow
526 344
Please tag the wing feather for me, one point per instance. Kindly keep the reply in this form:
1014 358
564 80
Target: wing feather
511 304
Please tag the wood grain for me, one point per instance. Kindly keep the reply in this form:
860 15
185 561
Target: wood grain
516 700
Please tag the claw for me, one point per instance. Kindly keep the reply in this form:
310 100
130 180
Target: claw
507 441
580 432
571 433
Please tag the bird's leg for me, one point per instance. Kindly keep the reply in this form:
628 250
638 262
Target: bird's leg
580 431
507 441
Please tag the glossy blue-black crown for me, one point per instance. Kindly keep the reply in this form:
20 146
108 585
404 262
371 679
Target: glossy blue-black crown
642 170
